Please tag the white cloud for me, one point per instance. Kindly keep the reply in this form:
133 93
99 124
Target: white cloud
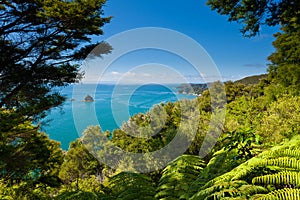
150 73
129 74
115 73
146 75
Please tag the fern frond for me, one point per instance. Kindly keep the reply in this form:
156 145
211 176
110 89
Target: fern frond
281 178
178 176
284 162
128 185
279 166
287 153
231 192
230 189
283 194
248 190
202 194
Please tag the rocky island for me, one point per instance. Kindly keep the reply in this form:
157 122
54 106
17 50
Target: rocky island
88 98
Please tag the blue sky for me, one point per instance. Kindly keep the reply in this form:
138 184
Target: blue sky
234 55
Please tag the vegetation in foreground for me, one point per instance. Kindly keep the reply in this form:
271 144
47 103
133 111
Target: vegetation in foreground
256 157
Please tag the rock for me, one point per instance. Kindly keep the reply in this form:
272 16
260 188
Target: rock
88 98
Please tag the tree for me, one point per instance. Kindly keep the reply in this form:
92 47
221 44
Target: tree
26 153
41 44
244 141
284 68
254 13
79 164
280 121
29 160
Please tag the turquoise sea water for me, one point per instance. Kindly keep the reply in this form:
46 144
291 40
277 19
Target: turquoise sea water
113 105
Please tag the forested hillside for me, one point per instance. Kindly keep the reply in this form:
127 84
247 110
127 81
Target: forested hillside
251 79
257 155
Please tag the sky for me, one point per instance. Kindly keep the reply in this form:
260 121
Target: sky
234 56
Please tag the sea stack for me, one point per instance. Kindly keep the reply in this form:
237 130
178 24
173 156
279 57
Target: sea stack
88 98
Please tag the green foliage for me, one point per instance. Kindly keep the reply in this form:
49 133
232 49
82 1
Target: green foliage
177 176
252 13
130 186
284 194
80 195
284 67
41 43
230 189
281 120
243 141
29 160
230 173
212 170
270 171
191 88
286 59
135 135
251 80
236 90
281 178
26 153
41 46
25 191
152 131
79 163
243 113
83 188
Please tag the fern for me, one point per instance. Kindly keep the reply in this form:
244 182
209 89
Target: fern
212 170
80 195
284 162
283 194
131 186
217 187
276 168
286 153
178 176
233 189
272 160
249 190
281 178
231 192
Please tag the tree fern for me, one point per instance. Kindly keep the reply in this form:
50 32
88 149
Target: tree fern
282 157
202 194
80 195
131 186
276 168
213 173
286 153
178 176
284 162
283 194
281 178
233 189
248 190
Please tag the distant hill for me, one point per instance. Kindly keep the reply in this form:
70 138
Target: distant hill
191 88
251 80
198 88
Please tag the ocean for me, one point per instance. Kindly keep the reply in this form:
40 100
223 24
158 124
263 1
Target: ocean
113 105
